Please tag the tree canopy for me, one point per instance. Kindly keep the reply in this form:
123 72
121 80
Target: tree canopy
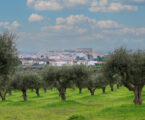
130 66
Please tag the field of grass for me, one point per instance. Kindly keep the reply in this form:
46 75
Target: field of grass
115 105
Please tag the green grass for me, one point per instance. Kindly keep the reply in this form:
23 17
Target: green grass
115 105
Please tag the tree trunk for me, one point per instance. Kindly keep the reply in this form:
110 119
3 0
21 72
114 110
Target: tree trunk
138 95
103 89
3 96
45 90
51 89
118 86
112 88
92 91
62 93
10 92
24 94
73 89
37 92
80 90
32 90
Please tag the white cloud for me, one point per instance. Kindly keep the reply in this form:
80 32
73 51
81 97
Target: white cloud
105 6
9 26
75 19
137 1
82 30
3 24
55 5
95 5
60 20
30 2
122 31
85 28
47 5
81 24
108 24
72 3
140 31
64 29
103 2
127 31
15 25
57 28
35 18
132 1
96 36
115 7
73 24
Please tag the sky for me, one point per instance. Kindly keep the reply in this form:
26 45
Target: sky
103 25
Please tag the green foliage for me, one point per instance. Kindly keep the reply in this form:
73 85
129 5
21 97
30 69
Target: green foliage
96 80
81 74
129 67
8 61
8 53
58 77
26 80
77 117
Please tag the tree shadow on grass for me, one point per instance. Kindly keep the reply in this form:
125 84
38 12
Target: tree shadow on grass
37 97
21 103
64 104
125 111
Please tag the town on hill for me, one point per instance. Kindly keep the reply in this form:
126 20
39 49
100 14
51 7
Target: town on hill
77 56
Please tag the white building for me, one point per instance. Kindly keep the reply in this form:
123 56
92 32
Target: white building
42 63
92 62
59 63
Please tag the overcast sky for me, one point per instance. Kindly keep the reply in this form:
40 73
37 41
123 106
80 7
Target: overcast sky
65 24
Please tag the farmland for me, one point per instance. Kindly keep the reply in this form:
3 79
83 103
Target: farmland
116 105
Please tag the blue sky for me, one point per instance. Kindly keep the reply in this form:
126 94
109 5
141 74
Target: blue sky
66 24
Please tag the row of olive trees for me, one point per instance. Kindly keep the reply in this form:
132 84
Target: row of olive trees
73 76
53 77
60 78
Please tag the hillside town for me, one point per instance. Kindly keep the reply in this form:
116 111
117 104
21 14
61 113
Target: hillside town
78 56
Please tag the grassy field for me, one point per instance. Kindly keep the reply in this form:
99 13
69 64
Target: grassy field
115 105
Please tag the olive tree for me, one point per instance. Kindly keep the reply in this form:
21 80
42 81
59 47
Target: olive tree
4 86
24 81
58 77
8 61
109 77
36 82
130 66
118 80
80 73
91 84
101 81
96 80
